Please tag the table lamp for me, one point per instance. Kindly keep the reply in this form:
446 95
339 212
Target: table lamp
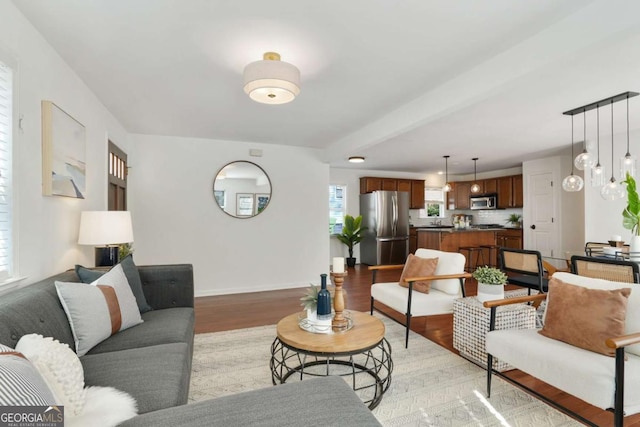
106 230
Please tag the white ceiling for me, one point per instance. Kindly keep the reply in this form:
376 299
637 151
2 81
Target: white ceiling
400 82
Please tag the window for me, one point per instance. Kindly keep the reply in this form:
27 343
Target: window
117 178
6 196
433 202
337 207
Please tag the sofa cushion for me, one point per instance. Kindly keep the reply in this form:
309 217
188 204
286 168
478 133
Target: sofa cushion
35 309
325 401
632 323
416 267
448 263
99 310
396 297
170 325
585 317
20 382
157 376
587 375
87 275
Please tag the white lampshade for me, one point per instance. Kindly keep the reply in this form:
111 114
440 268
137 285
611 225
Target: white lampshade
271 81
101 228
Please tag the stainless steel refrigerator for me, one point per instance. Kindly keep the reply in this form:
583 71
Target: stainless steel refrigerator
386 216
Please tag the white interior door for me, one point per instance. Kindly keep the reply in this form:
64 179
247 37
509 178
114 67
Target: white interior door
543 229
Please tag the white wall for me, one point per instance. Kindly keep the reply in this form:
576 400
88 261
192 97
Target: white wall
176 218
47 227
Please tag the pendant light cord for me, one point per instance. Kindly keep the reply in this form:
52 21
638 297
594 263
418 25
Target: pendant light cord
598 135
628 154
612 178
571 144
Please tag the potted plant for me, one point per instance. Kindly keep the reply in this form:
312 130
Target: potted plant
515 220
491 283
351 235
631 214
310 302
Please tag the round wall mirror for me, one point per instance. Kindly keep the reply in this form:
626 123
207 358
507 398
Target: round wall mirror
242 189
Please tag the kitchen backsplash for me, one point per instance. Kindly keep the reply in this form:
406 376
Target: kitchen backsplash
499 216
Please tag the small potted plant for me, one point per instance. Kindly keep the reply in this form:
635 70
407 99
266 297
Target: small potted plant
491 283
515 220
351 235
310 302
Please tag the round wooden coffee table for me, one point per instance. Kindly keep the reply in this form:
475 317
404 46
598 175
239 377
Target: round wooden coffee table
361 354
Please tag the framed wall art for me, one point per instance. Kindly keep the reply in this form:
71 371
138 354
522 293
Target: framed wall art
63 153
244 204
262 200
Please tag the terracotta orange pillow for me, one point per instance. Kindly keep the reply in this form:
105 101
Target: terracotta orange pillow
585 317
418 267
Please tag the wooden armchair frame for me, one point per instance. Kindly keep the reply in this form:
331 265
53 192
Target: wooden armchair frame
617 343
410 280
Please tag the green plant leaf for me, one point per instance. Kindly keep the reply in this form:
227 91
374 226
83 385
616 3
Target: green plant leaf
631 214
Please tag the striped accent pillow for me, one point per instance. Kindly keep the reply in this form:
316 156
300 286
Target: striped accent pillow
20 382
98 310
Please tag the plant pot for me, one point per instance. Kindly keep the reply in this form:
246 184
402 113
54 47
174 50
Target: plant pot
351 262
634 248
312 315
490 292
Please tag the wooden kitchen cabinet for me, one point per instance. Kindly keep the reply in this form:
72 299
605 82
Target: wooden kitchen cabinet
491 185
369 184
389 184
417 194
510 192
509 238
404 185
463 192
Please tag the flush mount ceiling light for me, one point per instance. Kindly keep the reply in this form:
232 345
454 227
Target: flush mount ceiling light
475 188
356 159
447 186
271 81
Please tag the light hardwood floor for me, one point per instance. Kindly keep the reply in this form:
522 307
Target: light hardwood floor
227 312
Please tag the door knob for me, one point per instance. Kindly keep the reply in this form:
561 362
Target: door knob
533 226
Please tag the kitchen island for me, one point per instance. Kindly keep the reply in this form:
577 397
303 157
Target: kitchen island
451 239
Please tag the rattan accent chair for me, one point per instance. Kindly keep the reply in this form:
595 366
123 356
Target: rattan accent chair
609 269
524 268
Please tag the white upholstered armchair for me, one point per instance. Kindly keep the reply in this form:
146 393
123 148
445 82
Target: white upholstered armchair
446 284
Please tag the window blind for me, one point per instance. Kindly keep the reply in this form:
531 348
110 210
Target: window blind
6 136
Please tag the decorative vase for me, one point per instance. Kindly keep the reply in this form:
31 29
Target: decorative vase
490 292
324 300
634 248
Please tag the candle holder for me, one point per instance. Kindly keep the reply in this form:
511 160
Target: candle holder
339 322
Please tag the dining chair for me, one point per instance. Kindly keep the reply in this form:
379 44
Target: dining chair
594 248
615 270
524 268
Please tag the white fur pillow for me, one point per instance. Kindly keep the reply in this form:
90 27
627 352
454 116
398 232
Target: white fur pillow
60 368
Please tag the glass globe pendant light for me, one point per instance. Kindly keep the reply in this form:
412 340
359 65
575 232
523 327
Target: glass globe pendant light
597 173
572 182
447 187
475 188
613 190
585 160
628 162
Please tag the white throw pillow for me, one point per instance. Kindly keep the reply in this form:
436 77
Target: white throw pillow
98 310
60 368
20 382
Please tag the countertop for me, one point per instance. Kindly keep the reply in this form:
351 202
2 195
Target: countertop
463 230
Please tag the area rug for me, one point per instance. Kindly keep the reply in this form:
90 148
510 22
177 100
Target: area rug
430 385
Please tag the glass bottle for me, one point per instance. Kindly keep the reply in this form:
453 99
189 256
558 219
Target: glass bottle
324 300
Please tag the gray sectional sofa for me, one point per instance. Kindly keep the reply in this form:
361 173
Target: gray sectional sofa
152 361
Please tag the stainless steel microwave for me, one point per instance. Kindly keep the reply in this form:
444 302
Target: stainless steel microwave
486 201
